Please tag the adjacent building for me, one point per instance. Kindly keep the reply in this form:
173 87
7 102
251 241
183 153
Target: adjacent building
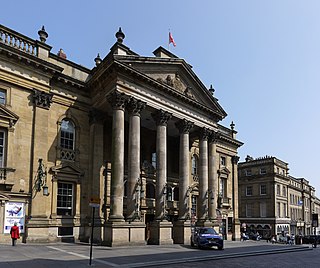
271 201
136 139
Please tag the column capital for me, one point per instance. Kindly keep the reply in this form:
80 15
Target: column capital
42 99
235 159
135 106
214 136
184 126
205 133
118 100
161 117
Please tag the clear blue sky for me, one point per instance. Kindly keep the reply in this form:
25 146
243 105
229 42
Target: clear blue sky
262 57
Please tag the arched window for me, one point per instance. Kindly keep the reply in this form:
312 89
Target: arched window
194 165
150 190
67 134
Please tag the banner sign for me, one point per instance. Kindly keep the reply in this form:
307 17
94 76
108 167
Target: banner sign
14 213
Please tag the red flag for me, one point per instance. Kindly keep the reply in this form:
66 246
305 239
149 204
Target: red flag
171 40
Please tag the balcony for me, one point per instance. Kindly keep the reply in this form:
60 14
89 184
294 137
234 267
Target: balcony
18 41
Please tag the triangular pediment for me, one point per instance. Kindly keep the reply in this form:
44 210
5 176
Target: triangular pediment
4 197
68 169
7 118
176 75
224 171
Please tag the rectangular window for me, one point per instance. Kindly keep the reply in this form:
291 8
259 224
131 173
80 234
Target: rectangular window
2 147
223 161
65 199
249 191
223 187
3 94
278 189
284 210
65 231
284 191
263 189
248 210
263 210
263 171
278 209
248 172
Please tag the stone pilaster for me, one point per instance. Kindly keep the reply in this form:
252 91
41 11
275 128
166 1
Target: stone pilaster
235 203
38 224
118 102
134 180
202 205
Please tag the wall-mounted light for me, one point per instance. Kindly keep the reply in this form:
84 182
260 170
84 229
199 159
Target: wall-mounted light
42 178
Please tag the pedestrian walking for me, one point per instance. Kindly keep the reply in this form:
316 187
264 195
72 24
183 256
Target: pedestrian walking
14 231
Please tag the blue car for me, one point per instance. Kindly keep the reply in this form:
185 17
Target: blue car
206 237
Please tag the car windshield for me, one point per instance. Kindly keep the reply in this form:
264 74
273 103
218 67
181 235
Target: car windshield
207 231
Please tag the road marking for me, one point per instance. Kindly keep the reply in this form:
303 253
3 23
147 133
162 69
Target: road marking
83 256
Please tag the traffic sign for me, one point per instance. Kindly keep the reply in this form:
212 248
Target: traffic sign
94 202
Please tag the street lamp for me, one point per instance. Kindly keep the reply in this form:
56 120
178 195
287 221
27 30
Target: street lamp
42 178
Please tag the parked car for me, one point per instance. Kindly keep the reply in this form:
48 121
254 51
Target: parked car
309 239
206 237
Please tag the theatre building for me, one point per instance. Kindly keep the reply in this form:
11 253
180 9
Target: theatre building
134 143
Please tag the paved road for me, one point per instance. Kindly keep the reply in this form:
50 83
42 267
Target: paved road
236 254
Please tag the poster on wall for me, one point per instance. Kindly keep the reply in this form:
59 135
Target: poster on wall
14 213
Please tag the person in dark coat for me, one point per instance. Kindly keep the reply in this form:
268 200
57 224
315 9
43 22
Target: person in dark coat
14 231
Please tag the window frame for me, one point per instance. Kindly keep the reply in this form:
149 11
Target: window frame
64 141
3 148
67 197
263 186
247 192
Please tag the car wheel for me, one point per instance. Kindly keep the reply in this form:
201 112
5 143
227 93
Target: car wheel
220 247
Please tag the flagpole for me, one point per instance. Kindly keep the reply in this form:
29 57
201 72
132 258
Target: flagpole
169 41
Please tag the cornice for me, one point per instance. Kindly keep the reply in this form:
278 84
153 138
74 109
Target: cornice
28 59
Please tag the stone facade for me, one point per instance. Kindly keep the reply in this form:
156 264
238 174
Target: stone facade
272 202
138 135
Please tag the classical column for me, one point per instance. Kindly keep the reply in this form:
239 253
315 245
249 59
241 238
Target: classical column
161 118
202 205
213 177
134 181
118 102
184 127
235 203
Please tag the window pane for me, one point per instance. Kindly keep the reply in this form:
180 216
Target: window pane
2 97
65 199
67 135
2 147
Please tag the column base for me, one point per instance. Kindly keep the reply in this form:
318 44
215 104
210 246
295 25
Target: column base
182 232
236 230
124 234
160 233
204 223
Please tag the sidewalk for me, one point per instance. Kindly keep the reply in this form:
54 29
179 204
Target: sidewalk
77 255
